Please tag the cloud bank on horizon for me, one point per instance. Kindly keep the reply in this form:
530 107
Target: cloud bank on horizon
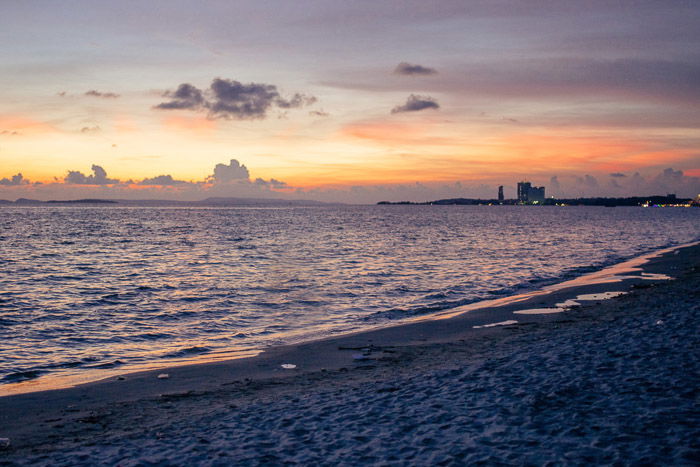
234 179
341 94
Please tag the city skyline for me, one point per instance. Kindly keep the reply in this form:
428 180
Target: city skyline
348 102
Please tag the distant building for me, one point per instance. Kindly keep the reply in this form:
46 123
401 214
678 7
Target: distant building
523 191
536 194
500 193
530 194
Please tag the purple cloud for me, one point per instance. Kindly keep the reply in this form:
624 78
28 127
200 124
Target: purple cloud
416 103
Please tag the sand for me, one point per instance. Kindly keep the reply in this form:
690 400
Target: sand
609 381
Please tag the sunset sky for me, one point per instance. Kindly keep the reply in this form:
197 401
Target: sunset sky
356 101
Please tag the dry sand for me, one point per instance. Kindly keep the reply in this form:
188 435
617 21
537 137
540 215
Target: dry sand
613 381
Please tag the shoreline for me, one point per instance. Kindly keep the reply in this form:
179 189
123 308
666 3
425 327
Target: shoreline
616 272
66 420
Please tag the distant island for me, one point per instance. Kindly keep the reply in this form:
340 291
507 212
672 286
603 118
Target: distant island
656 200
208 202
646 201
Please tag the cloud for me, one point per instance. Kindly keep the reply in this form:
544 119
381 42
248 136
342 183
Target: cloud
618 175
588 181
229 173
415 103
230 99
238 184
404 68
90 129
185 96
93 93
162 180
667 181
272 183
671 175
9 132
318 113
15 180
99 177
554 182
673 80
297 100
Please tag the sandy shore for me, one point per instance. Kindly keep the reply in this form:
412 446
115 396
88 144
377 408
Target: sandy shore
612 381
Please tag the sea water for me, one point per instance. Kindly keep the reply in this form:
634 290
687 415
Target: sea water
90 289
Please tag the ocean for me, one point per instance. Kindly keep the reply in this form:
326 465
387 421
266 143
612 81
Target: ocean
89 291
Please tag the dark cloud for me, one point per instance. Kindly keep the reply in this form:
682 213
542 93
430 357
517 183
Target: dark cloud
98 177
93 93
618 175
229 173
185 97
162 180
9 132
233 99
318 113
415 103
230 99
90 129
404 68
297 100
15 180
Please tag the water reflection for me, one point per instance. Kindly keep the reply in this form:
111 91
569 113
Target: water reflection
141 285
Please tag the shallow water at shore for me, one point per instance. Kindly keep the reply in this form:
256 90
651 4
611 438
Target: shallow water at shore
85 289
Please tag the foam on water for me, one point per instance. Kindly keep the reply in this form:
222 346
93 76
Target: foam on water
501 323
539 311
563 306
599 296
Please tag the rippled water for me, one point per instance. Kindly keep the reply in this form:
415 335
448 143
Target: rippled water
88 288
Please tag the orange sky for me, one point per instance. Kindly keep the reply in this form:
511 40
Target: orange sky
298 96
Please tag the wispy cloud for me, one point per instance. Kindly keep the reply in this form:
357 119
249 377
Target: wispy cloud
94 93
408 69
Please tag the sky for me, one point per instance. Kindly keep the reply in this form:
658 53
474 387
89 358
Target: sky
352 101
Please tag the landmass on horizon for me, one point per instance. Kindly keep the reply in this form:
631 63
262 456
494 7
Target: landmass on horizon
208 202
645 201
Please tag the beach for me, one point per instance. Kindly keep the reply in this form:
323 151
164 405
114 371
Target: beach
607 381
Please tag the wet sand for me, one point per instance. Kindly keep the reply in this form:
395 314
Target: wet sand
606 381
